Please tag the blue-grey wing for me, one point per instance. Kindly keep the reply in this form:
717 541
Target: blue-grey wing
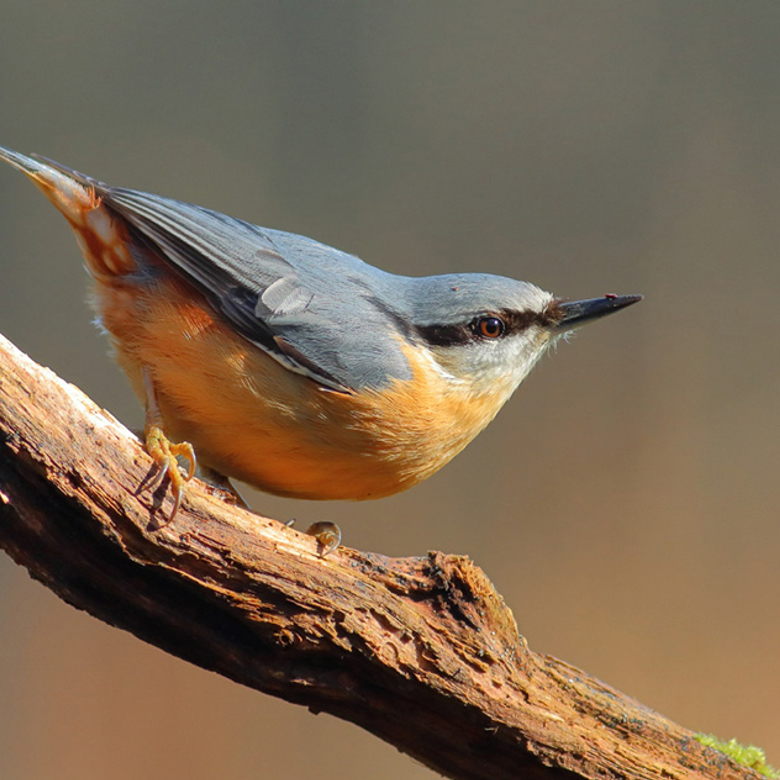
317 310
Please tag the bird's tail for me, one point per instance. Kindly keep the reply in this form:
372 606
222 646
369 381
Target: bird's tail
70 191
99 234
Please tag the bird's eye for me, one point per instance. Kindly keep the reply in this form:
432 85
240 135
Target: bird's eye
489 327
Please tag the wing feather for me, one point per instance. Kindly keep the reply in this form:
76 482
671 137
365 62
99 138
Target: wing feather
306 304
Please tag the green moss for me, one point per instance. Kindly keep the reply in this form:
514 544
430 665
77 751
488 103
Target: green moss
751 755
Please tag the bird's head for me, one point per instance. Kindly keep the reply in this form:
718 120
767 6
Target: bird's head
487 332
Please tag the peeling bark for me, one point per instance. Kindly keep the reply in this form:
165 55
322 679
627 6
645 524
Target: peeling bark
422 652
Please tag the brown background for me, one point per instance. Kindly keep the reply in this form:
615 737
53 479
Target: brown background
626 501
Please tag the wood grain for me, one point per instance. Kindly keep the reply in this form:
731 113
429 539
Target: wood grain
422 652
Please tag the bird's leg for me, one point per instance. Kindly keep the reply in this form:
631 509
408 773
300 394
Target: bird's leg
226 488
163 451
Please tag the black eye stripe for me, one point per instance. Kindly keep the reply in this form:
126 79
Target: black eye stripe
445 335
462 333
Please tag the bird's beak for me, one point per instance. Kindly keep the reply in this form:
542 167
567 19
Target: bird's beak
576 313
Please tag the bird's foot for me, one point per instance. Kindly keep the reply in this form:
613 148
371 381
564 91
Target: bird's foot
165 454
328 536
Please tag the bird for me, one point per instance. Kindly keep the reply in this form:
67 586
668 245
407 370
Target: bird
290 365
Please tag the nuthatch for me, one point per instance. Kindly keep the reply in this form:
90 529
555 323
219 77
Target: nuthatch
288 364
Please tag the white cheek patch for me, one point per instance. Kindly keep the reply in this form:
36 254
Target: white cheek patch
496 367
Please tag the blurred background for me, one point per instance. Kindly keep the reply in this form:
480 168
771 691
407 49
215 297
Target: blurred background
625 503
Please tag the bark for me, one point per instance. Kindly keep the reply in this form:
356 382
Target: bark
422 652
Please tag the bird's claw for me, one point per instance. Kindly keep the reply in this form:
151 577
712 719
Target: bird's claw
328 536
165 454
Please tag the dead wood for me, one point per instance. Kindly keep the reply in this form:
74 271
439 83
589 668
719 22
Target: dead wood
422 652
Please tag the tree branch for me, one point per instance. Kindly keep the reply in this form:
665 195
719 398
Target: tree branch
422 652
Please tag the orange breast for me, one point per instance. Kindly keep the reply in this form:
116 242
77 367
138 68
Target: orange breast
251 418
